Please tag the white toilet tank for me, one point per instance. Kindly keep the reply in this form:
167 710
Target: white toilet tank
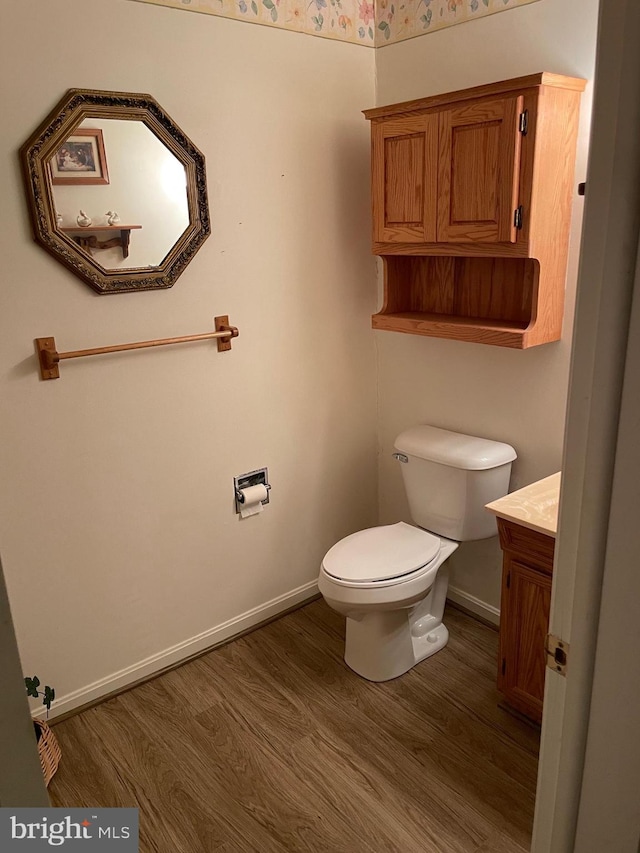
449 477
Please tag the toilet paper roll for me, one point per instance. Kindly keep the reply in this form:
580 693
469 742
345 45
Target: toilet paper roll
253 497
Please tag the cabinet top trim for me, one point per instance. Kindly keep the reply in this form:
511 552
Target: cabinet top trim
544 78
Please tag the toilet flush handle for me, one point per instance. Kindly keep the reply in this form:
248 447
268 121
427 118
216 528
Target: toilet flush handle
401 457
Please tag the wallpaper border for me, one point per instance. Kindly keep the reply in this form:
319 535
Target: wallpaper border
371 23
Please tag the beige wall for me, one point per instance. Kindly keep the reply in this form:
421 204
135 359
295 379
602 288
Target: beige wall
121 547
518 397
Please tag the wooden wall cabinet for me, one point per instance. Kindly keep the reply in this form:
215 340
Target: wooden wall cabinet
471 195
524 616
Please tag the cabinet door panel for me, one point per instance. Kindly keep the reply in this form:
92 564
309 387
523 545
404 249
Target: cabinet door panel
479 164
405 175
524 618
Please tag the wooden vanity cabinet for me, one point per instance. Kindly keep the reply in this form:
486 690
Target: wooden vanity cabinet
524 616
471 197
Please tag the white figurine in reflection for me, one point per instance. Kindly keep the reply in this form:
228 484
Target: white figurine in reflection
83 220
112 217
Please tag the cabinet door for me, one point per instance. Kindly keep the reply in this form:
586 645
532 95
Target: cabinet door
405 176
524 623
479 166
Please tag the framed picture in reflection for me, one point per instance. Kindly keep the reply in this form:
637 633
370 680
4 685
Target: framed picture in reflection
81 159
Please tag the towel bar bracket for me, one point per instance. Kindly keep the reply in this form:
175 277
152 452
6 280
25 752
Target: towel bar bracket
222 325
46 349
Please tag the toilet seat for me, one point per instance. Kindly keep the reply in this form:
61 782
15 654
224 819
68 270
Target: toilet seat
382 556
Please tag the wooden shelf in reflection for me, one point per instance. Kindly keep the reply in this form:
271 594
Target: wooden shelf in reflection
91 241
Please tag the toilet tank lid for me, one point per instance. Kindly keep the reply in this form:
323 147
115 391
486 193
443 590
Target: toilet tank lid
453 448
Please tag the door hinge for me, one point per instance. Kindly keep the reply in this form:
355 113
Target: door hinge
517 217
557 654
524 122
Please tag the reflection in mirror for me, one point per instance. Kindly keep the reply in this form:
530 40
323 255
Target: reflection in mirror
147 192
117 192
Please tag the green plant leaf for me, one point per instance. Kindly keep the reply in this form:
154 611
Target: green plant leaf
32 685
49 696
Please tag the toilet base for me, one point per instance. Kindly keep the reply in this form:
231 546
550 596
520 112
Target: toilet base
390 660
384 644
429 644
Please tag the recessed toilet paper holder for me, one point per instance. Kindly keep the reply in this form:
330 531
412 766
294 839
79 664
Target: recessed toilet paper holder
260 477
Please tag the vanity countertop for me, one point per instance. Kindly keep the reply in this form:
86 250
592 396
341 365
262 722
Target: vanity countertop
534 506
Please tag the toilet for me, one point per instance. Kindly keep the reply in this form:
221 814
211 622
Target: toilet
391 581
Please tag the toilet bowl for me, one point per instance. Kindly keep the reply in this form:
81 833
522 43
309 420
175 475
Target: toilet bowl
390 582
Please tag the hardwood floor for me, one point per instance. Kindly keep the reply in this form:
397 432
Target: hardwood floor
271 743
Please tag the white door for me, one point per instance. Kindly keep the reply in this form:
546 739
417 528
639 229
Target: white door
21 782
589 775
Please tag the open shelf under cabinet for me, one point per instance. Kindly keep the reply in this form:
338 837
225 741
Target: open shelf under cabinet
482 300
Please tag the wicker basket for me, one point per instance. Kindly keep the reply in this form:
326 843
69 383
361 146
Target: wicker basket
48 749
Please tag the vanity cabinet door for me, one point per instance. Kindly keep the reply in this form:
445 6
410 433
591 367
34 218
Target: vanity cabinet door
524 621
405 179
527 571
479 165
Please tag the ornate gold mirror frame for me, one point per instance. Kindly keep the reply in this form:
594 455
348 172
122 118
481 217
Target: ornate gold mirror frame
36 156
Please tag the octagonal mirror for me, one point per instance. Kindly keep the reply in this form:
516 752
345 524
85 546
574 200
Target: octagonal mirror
117 192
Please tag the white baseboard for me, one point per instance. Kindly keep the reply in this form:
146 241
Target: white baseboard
181 652
216 636
474 605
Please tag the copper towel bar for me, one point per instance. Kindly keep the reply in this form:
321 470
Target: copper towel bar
49 357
